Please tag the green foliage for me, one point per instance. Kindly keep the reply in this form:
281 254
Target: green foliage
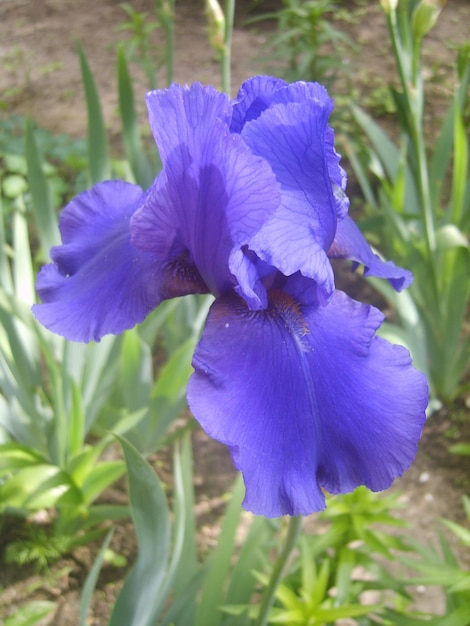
168 584
141 46
308 46
31 613
419 201
61 159
59 400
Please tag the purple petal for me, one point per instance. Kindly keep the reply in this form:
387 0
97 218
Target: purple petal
254 96
291 137
350 244
262 92
175 113
305 398
318 95
211 198
99 283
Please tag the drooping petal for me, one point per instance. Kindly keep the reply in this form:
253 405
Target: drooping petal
305 398
211 198
98 282
349 243
291 137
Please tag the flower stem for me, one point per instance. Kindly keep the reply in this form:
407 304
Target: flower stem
293 531
167 16
407 52
225 62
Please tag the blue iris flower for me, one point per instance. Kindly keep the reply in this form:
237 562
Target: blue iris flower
250 206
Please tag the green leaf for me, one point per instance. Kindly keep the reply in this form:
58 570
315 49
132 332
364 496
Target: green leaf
132 143
387 152
342 612
168 397
100 477
251 557
460 448
39 487
30 614
99 167
460 167
44 214
344 568
90 582
13 456
184 578
137 602
185 561
6 281
213 591
23 272
136 371
460 531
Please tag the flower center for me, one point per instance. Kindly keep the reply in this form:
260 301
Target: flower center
282 307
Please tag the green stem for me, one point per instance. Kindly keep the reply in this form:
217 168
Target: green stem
293 531
167 16
226 58
407 55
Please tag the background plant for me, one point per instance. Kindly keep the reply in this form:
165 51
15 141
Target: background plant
419 201
307 44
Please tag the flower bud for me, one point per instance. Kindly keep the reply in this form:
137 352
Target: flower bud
389 5
216 20
425 16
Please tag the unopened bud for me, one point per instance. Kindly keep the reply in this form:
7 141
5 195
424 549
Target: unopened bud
216 20
425 16
389 5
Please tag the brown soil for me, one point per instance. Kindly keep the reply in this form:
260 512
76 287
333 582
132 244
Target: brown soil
40 76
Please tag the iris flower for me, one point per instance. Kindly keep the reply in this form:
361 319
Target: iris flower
250 206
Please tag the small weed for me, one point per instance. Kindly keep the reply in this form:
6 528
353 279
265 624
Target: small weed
37 547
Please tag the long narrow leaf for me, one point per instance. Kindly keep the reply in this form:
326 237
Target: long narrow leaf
132 143
44 214
99 168
6 280
213 592
90 582
460 167
139 598
182 570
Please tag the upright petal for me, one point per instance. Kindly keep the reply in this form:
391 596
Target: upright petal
291 137
306 397
99 283
254 96
211 198
350 244
181 115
